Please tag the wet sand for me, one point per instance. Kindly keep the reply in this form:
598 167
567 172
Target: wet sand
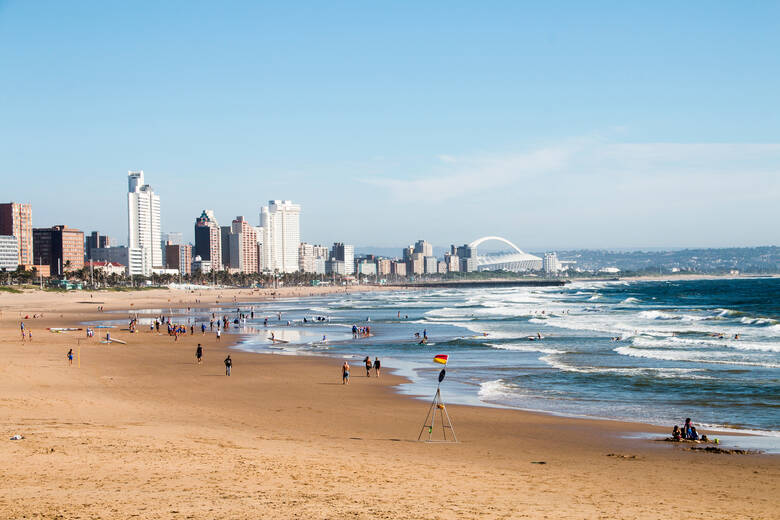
141 431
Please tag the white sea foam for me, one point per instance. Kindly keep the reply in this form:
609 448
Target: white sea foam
757 321
718 358
497 389
662 372
709 343
528 346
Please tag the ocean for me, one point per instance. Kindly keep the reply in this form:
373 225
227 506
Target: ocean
647 351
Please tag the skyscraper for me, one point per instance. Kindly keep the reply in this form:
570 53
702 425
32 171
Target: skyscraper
16 220
423 247
281 235
344 253
143 222
245 247
208 241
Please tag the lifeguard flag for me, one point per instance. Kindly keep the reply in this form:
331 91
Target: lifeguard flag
441 358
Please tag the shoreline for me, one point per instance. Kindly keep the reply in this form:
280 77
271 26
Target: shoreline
249 296
141 430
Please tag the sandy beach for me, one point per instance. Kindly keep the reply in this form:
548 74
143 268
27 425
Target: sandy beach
141 431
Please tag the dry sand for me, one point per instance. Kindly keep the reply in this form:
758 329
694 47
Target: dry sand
141 431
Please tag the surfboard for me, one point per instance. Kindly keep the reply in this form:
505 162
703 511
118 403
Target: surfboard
278 340
63 329
112 340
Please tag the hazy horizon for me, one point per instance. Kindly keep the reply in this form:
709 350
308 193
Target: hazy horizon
555 126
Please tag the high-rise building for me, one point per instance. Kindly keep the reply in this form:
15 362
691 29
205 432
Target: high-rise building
208 241
225 233
9 253
383 266
281 235
415 264
344 253
550 263
398 268
179 256
452 261
95 241
16 220
143 223
59 247
312 258
173 238
421 246
244 246
467 256
431 265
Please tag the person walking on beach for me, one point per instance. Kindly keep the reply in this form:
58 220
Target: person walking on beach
368 366
377 366
228 365
219 334
345 373
199 353
70 357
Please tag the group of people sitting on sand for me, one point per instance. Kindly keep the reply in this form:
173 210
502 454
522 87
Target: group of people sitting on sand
687 432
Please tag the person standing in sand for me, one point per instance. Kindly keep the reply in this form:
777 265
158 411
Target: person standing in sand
70 357
199 353
368 366
219 334
345 373
228 365
377 366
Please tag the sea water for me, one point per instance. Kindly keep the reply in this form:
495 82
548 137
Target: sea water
648 351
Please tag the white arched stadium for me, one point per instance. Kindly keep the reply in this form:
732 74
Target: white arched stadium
514 261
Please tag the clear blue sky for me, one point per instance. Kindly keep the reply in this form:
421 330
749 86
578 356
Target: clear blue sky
555 124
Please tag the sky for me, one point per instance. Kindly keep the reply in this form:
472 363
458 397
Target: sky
557 125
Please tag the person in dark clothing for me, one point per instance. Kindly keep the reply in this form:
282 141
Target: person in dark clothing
228 365
199 353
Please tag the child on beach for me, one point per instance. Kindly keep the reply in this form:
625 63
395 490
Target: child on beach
70 357
199 353
228 365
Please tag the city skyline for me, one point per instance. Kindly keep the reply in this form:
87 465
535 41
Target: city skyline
632 127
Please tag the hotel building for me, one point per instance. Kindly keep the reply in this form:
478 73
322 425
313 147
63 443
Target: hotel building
143 224
208 240
280 221
16 220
